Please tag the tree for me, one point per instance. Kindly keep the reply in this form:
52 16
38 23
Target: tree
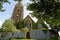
20 25
8 26
18 0
5 1
1 4
46 10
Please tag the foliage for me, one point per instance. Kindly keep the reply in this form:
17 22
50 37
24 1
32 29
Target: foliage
1 4
25 29
1 30
44 30
47 10
53 38
34 25
44 25
18 0
8 26
5 1
20 25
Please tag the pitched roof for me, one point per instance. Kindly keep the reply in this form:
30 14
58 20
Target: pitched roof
32 18
28 17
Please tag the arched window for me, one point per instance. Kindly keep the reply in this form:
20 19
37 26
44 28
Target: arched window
28 24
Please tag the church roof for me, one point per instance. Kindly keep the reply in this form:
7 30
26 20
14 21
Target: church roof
28 17
32 18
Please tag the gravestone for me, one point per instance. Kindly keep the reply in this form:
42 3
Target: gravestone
8 36
37 34
19 35
48 35
39 26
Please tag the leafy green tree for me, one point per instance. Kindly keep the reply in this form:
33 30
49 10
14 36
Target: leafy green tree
20 25
46 10
8 26
1 30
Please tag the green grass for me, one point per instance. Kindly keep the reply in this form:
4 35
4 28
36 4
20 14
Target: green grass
35 39
27 39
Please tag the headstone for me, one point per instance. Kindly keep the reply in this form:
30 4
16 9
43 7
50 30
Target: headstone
39 26
37 34
19 34
48 34
8 36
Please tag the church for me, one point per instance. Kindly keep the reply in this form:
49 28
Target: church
17 16
35 30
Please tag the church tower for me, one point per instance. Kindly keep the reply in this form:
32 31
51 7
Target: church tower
18 12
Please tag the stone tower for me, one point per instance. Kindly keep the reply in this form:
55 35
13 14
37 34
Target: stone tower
18 12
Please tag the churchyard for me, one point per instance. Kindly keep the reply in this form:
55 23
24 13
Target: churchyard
18 27
33 35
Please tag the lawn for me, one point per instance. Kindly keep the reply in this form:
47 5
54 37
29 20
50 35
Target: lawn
28 39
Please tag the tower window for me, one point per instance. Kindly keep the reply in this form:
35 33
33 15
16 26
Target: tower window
17 15
18 10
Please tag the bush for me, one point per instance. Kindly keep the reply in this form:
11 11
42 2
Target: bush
53 38
20 25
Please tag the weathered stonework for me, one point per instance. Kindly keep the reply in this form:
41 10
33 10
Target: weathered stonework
17 14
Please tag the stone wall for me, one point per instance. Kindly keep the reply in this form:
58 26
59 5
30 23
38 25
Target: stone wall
34 34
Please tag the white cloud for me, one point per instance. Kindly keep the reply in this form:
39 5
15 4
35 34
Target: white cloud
1 22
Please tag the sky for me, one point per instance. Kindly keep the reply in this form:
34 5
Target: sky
9 10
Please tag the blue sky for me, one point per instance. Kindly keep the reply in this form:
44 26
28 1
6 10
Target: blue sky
9 10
